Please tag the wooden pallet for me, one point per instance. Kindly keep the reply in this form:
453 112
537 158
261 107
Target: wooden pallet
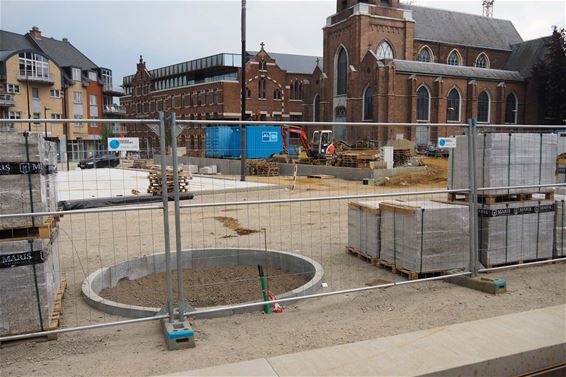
491 199
262 168
42 231
509 264
54 321
410 275
361 255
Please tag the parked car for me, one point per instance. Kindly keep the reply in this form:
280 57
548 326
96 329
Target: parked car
106 160
434 151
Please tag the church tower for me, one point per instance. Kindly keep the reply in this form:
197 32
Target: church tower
359 26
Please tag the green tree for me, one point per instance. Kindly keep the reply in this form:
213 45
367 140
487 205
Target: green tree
105 134
550 74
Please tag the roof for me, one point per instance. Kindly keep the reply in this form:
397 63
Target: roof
304 64
14 41
439 25
525 55
437 69
64 53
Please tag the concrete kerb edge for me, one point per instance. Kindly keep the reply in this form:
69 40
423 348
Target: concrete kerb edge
92 297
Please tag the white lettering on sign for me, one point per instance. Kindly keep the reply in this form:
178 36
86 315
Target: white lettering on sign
446 142
128 144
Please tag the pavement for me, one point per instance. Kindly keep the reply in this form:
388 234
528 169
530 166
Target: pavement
506 345
115 182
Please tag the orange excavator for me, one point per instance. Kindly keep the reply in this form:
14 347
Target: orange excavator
320 147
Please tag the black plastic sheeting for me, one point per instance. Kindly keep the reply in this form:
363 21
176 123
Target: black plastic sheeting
68 205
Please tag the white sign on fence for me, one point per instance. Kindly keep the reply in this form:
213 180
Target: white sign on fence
126 144
446 142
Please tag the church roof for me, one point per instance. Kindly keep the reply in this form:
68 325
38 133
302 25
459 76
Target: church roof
437 69
439 25
303 64
525 55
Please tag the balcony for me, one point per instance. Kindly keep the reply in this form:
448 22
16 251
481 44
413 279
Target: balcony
112 90
114 110
42 79
7 100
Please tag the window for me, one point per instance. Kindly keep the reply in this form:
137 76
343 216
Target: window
423 104
172 102
368 103
15 115
277 94
36 116
454 58
215 97
92 76
483 107
425 55
511 109
482 61
262 88
13 88
35 93
182 100
248 93
341 72
384 51
316 109
92 100
262 65
78 124
33 65
55 93
55 116
76 74
77 98
453 106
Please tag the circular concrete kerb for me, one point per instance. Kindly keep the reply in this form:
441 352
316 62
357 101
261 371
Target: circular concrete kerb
109 277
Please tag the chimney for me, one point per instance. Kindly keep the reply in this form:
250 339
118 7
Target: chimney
35 32
65 40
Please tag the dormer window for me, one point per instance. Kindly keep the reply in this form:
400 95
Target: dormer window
482 61
92 76
425 55
454 58
76 74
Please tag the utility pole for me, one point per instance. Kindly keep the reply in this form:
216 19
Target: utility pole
243 151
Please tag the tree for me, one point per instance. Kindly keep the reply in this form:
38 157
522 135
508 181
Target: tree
550 74
107 132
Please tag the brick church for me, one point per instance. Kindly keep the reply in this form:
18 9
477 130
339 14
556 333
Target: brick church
382 62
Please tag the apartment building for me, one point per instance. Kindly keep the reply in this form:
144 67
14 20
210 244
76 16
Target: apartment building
55 80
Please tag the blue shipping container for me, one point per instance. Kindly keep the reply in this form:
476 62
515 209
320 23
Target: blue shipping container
261 141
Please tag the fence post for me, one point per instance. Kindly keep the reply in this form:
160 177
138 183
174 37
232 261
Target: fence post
473 201
178 247
165 197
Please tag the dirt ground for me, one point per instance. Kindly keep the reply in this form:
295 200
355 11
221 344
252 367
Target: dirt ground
316 229
204 286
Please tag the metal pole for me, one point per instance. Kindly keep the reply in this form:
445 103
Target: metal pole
165 197
243 151
473 201
178 247
27 91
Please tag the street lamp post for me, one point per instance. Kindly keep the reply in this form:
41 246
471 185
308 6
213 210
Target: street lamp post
243 83
45 108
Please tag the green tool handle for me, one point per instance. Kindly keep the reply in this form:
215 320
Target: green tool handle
263 281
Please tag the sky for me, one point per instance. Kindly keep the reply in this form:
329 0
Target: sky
114 33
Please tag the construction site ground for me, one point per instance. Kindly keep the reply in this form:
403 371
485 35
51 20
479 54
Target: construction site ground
315 229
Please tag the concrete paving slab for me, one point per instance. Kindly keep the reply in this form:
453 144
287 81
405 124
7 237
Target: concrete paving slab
108 183
259 367
505 345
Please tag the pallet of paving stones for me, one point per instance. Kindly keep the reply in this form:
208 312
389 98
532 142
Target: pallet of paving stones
410 275
502 198
361 255
262 168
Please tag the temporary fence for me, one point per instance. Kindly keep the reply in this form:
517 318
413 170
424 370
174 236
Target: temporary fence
114 245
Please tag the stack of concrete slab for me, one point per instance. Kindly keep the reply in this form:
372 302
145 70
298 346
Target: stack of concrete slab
26 306
363 227
505 159
27 178
560 227
425 236
516 231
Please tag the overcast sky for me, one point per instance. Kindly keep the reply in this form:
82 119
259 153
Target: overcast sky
113 34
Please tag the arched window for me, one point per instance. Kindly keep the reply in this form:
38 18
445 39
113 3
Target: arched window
368 103
384 51
262 88
299 90
341 71
277 94
511 109
423 104
316 109
453 106
454 58
340 113
482 61
425 55
484 107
